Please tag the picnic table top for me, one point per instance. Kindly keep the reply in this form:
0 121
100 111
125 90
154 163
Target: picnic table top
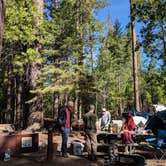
115 134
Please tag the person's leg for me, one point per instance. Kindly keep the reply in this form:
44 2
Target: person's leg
93 143
65 135
88 143
130 137
125 137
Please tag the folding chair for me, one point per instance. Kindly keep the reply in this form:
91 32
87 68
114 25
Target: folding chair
158 144
161 143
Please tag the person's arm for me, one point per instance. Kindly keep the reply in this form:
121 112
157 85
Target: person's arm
84 122
108 120
109 117
61 118
97 125
121 130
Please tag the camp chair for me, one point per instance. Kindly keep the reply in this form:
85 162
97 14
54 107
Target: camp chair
151 145
161 143
158 145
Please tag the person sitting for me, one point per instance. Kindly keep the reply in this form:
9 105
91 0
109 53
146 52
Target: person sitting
105 120
127 128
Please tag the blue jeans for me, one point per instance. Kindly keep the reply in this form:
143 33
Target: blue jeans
65 135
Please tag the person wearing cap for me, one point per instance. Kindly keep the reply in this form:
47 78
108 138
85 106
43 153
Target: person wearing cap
105 119
91 126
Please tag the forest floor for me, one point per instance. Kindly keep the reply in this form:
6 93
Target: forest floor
39 158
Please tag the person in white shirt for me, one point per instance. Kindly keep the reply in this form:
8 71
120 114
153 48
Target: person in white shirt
105 119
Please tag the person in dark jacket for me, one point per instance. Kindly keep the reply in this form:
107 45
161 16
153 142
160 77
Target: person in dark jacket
65 119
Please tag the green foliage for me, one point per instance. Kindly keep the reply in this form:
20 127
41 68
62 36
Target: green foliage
80 55
152 14
113 72
154 87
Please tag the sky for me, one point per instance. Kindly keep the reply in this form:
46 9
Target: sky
118 9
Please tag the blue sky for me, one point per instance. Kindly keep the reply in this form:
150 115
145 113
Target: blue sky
118 9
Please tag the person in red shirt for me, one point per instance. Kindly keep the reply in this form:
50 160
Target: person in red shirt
65 119
127 127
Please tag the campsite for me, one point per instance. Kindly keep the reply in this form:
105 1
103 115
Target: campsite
83 82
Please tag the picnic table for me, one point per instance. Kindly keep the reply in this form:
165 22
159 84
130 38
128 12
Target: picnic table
107 138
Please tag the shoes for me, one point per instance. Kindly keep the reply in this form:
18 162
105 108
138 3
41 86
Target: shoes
65 155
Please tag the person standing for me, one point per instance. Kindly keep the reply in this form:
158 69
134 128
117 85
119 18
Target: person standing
91 126
105 119
65 119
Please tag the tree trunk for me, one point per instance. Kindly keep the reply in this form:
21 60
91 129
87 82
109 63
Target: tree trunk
56 4
76 102
164 40
119 92
15 100
55 105
19 103
36 106
2 16
96 111
9 94
92 52
135 62
36 114
80 109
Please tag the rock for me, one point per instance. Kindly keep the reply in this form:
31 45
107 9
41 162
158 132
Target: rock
6 128
34 127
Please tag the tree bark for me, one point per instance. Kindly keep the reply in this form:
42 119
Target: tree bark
36 114
164 41
15 100
9 94
80 109
92 52
76 101
135 62
55 105
56 4
19 103
2 16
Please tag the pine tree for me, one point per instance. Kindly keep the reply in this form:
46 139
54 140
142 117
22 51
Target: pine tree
152 14
2 17
36 114
19 41
135 60
114 69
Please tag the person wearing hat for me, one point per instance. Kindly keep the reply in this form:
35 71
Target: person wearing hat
105 119
91 126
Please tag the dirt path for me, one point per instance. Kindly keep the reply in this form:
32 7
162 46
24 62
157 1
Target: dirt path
59 161
39 158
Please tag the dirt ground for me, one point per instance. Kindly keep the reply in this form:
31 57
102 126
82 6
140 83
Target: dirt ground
39 158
